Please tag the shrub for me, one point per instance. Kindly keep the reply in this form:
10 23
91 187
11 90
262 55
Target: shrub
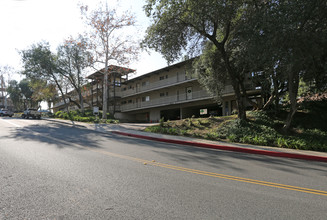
232 138
161 121
260 129
88 117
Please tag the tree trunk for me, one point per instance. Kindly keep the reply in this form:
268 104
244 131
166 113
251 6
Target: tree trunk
293 86
235 83
269 102
114 98
240 104
255 106
82 104
105 95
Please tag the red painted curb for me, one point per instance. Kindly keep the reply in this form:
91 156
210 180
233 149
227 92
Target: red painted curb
228 148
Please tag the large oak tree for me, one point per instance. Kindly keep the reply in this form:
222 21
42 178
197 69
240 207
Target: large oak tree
185 26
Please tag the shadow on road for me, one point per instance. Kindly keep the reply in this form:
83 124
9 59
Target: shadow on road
66 135
221 159
58 134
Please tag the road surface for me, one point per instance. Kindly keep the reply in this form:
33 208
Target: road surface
52 170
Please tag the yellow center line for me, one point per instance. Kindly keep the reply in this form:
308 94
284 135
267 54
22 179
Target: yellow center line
216 175
204 173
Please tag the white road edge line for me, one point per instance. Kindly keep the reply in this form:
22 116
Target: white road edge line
11 123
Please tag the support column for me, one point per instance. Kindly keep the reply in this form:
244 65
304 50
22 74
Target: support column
226 107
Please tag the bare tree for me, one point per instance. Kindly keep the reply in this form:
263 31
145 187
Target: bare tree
5 76
73 59
110 43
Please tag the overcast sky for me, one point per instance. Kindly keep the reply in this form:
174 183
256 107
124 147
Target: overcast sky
25 22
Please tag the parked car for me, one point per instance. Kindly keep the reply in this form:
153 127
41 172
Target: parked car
6 112
31 112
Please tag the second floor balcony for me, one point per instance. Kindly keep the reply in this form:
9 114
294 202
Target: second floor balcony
168 100
147 86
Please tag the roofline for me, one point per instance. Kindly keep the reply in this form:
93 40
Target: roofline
101 71
167 68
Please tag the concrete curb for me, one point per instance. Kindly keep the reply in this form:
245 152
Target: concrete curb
228 148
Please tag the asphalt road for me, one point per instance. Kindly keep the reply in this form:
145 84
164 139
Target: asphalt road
50 170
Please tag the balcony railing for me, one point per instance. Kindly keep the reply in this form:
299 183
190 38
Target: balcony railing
168 100
158 84
173 99
117 108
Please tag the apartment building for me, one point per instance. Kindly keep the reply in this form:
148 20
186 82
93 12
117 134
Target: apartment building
171 93
92 92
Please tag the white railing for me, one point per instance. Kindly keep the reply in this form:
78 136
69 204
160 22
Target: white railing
158 84
117 93
111 108
168 100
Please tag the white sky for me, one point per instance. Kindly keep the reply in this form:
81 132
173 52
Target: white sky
25 22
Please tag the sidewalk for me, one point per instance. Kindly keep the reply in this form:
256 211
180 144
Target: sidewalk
136 130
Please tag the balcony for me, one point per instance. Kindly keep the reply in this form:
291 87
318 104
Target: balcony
117 108
171 81
168 100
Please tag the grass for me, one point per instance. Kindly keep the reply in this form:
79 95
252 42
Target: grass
261 128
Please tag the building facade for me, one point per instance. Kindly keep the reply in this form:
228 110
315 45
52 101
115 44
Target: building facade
171 93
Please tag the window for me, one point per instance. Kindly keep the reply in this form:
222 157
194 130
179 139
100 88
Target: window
163 77
117 83
162 94
146 98
145 83
130 101
123 102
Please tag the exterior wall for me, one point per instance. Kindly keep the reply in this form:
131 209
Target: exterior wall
154 115
170 92
125 117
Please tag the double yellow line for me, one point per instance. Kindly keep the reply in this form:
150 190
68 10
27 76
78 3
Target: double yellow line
216 175
200 172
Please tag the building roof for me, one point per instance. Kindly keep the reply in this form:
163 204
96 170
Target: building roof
168 68
112 68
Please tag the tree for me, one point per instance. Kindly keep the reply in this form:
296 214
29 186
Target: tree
108 42
41 64
5 75
180 26
43 90
287 40
15 94
211 72
73 59
27 93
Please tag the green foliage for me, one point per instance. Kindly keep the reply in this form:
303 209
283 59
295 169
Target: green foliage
161 121
211 71
88 117
163 130
15 94
261 129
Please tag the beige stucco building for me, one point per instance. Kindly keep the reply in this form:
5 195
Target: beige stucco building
170 93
